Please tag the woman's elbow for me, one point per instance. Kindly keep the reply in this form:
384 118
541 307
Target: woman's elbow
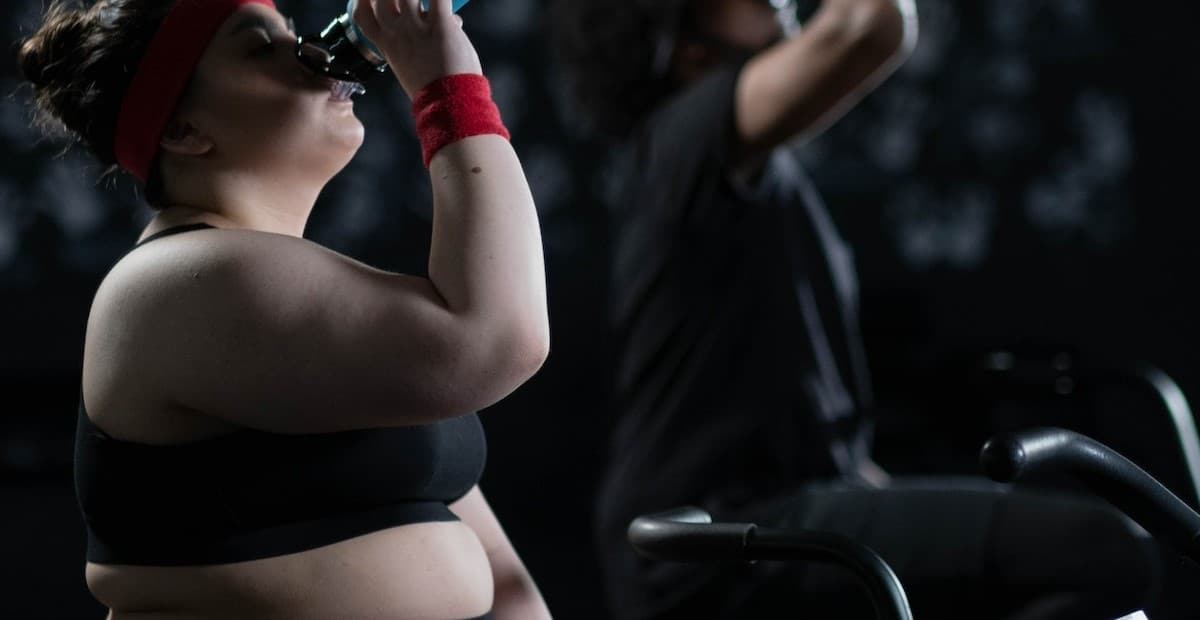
529 348
518 355
497 363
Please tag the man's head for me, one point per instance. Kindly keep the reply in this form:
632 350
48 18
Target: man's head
622 59
713 32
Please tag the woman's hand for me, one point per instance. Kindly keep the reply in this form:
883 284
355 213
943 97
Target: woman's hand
420 46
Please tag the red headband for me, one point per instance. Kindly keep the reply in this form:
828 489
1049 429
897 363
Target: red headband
162 76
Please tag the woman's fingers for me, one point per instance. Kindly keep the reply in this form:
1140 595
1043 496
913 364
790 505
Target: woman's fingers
421 46
389 15
364 16
440 10
412 10
387 10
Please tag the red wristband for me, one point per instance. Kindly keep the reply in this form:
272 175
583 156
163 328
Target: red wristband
455 107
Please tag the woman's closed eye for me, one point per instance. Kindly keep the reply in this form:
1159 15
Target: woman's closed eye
269 40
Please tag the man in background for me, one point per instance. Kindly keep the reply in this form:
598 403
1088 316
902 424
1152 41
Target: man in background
742 382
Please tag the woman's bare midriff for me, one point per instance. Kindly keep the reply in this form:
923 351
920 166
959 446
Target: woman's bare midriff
423 571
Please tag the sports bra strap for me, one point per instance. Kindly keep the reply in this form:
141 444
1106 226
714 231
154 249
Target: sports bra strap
174 230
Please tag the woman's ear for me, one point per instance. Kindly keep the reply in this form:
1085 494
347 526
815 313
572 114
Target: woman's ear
182 138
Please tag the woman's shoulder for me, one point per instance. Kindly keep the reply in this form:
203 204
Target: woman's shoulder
204 242
159 283
175 297
143 309
208 255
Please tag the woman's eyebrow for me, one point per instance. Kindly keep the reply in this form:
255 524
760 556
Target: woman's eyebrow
251 22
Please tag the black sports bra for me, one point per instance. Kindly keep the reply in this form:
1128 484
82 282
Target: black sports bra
252 494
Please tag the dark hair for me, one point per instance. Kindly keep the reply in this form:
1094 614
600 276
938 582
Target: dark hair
609 53
81 61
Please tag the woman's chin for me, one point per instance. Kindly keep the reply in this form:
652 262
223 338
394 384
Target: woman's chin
349 132
330 156
342 141
348 146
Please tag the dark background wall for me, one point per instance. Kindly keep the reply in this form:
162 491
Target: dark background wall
1024 181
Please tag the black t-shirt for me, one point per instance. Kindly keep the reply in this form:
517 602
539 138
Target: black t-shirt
740 370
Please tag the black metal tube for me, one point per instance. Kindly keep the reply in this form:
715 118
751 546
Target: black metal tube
1103 471
887 594
688 535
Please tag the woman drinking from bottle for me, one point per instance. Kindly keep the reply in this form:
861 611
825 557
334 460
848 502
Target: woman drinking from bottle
267 428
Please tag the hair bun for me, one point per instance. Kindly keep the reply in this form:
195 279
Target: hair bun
53 53
78 64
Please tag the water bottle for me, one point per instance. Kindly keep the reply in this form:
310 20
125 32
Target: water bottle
341 51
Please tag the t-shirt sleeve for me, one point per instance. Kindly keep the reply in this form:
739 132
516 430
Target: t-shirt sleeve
687 147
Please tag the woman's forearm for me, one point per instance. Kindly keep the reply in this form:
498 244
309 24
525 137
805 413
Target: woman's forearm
486 259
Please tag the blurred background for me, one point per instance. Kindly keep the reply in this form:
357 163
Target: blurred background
1020 196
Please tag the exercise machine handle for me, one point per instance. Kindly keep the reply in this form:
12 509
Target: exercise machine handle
1012 456
689 535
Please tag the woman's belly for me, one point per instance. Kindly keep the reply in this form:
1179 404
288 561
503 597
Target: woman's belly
423 571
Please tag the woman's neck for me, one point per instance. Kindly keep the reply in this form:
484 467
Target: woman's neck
244 203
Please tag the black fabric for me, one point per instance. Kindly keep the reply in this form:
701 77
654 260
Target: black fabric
174 230
252 494
740 371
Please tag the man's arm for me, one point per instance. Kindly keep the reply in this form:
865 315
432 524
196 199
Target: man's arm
802 85
517 596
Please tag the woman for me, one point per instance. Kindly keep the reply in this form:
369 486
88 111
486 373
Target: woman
269 429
